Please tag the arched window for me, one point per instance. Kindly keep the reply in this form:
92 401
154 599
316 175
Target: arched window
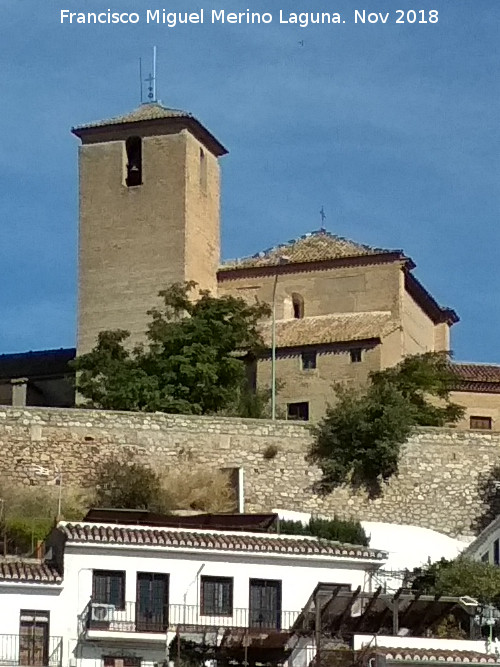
298 306
133 146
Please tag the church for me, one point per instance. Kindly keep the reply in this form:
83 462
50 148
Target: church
149 194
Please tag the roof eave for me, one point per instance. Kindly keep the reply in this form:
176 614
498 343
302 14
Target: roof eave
189 122
438 314
235 272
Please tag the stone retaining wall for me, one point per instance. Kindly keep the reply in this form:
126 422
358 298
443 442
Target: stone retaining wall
441 471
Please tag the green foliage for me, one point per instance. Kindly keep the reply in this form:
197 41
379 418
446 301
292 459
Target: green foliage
359 440
27 514
23 533
419 377
460 577
338 530
192 363
124 483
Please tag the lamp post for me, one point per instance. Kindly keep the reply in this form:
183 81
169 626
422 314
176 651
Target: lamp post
44 472
282 260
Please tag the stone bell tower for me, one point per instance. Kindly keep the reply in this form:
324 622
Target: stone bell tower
149 215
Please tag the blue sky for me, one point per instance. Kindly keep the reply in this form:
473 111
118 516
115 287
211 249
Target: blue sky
394 129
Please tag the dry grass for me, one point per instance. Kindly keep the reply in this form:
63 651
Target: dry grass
41 501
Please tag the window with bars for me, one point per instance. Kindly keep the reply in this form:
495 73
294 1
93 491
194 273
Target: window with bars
483 423
108 587
216 596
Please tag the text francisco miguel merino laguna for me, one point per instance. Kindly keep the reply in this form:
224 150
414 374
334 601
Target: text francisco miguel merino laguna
172 19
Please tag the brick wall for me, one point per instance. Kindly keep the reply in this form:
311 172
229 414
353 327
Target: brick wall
438 485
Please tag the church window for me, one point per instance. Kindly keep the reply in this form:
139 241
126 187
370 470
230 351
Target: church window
203 170
483 423
298 411
298 306
133 146
356 355
308 361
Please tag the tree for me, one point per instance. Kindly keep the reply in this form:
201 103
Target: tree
193 362
122 482
360 438
459 577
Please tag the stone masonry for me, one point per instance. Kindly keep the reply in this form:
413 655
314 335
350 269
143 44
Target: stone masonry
438 487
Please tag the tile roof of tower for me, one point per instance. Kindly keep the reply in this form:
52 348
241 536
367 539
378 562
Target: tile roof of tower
152 114
315 246
148 111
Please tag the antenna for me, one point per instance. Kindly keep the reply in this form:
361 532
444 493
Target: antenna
150 80
140 78
323 217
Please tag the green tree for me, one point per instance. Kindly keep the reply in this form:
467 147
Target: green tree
459 577
193 361
360 438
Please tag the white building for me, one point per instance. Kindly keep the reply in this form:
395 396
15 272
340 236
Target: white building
486 546
115 595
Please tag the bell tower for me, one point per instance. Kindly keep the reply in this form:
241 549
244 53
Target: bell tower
149 215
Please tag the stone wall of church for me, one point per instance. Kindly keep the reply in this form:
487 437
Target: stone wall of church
445 475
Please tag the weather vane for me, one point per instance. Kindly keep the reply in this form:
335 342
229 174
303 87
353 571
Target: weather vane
150 80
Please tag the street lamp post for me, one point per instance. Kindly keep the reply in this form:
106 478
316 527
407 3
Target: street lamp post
282 260
44 472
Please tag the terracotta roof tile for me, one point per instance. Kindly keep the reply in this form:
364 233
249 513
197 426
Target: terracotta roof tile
29 571
315 246
417 655
324 329
482 378
92 533
152 111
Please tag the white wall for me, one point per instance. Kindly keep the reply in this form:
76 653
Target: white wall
14 597
299 576
408 546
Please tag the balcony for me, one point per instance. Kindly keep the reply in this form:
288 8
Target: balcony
101 621
33 650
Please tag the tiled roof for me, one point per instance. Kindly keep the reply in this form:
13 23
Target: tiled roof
29 572
313 247
324 329
418 655
150 111
482 378
233 542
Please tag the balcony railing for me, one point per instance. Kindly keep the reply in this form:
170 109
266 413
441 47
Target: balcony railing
159 618
33 650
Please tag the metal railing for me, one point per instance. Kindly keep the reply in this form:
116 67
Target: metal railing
30 650
134 617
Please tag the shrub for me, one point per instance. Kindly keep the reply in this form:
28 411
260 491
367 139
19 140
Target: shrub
337 530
